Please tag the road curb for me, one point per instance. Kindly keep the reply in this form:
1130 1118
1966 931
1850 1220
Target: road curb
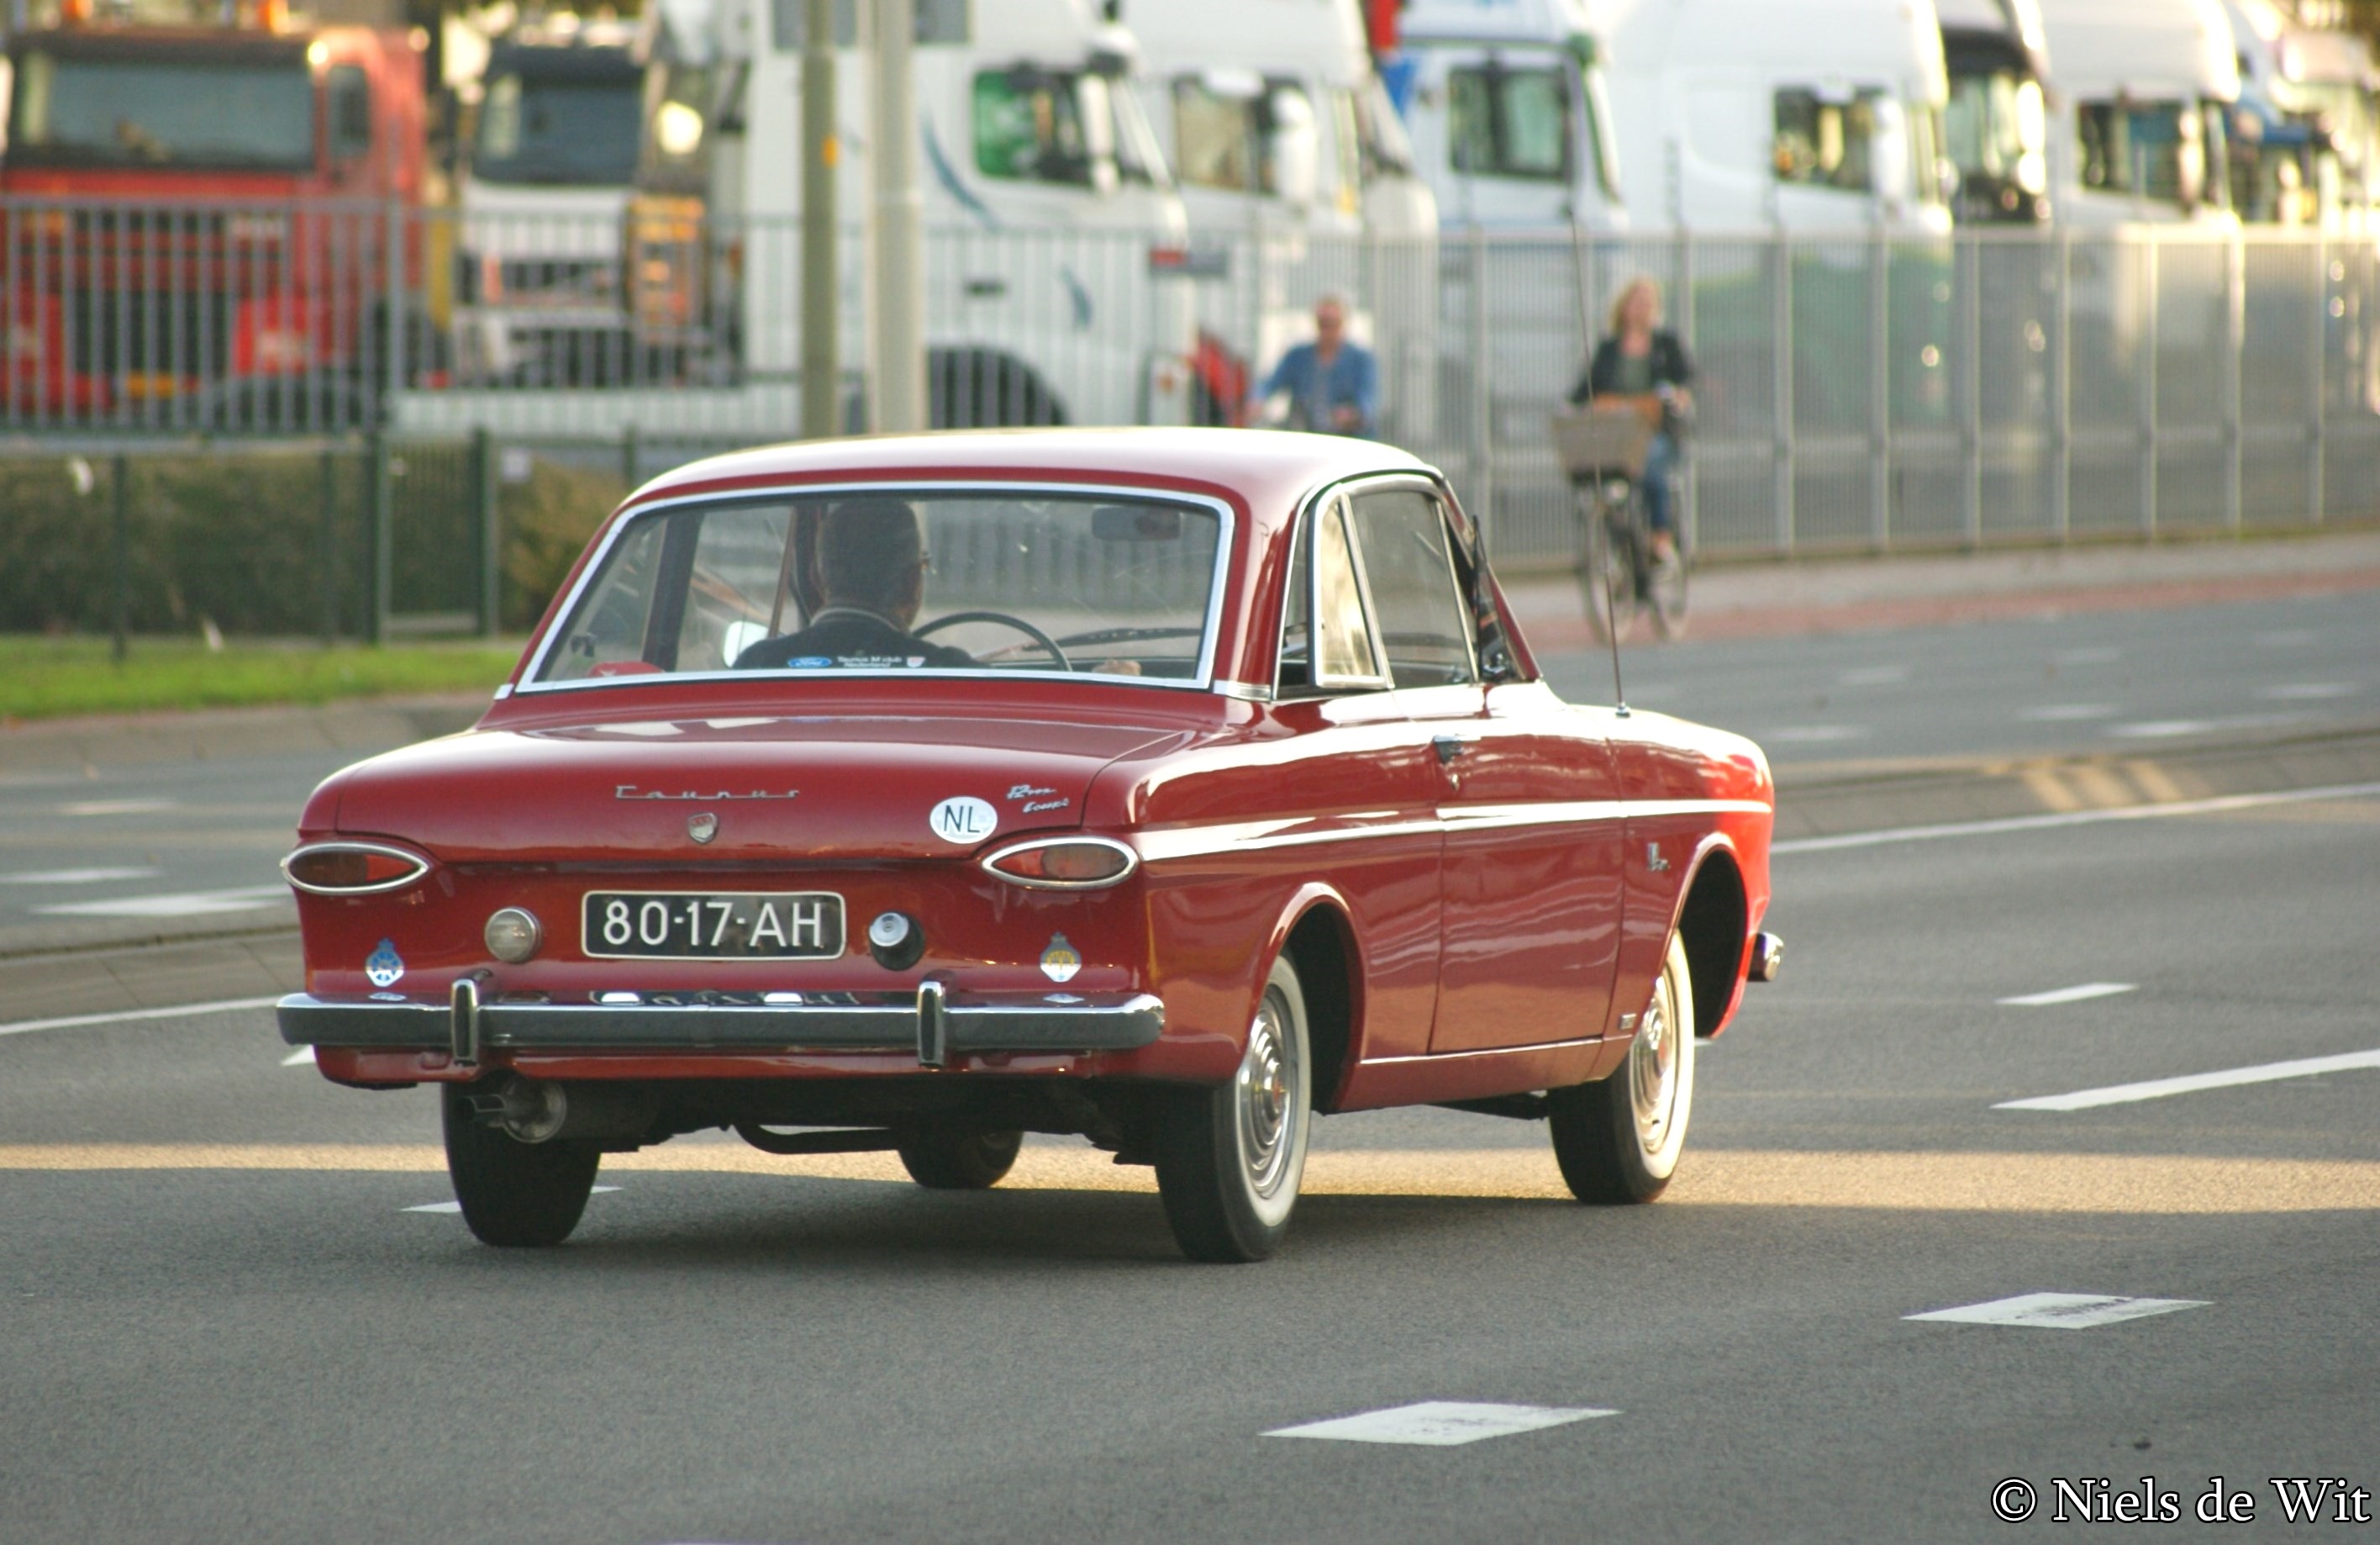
362 725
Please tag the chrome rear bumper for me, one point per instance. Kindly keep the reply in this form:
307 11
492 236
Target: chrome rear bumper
935 1025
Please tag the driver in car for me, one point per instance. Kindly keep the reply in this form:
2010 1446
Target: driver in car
870 569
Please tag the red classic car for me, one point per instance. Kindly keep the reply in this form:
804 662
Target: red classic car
1165 787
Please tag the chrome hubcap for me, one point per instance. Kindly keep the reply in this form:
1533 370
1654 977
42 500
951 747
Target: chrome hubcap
1653 1073
1268 1101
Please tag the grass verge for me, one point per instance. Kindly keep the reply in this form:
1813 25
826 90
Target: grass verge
50 679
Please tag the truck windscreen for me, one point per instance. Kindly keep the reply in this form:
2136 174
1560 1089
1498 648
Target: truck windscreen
162 113
558 132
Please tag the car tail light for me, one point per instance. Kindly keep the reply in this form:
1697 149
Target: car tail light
352 869
1064 863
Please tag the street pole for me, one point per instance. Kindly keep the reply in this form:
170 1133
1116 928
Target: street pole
821 371
898 315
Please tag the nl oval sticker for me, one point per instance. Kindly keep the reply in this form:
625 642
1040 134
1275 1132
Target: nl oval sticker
964 819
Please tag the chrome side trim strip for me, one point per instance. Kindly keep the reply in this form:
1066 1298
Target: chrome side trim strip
1482 1051
1162 845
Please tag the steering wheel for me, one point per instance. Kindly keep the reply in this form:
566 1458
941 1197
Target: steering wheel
1004 620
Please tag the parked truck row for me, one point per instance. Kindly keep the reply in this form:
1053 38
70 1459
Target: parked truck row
244 222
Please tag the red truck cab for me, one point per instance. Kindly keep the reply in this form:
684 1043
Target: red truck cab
193 213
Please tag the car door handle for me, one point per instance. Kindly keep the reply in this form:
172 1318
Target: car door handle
1447 747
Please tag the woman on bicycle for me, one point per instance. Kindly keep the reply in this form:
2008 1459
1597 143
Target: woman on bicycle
1641 358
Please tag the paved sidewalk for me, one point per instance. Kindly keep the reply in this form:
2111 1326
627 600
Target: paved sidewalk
1836 595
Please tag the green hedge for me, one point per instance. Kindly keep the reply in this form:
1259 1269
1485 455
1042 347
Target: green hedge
237 537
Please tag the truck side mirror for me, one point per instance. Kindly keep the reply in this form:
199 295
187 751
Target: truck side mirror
1293 146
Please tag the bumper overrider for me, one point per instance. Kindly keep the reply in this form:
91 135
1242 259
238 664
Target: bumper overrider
935 1025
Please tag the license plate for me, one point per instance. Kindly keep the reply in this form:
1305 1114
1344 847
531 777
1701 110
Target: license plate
667 925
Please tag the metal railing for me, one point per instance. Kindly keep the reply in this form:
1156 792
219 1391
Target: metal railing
1853 390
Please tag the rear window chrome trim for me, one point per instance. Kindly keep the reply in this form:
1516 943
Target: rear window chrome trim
1209 645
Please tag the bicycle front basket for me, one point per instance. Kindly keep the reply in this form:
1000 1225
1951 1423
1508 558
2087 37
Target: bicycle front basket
1596 441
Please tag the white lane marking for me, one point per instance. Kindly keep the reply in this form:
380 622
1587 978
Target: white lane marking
1440 1423
222 1005
2063 713
458 1207
1874 675
186 904
2060 1311
2308 691
116 807
2075 818
2191 1083
75 876
2069 994
1806 734
302 1057
2162 729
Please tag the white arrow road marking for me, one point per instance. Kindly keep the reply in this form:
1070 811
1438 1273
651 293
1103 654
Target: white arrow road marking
1440 1423
301 1057
75 1021
458 1207
2060 1311
187 903
2191 1083
2069 994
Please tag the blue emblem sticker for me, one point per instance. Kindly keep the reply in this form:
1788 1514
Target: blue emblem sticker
383 966
1061 960
810 663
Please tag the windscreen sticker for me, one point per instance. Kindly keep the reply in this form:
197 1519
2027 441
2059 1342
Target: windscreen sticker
963 818
1061 960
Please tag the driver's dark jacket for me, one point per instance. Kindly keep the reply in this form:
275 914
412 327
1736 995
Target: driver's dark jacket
843 637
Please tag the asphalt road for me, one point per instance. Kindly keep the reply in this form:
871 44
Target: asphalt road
222 1316
122 848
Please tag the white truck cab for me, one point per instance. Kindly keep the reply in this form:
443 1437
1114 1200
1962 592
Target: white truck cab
2144 93
1822 115
1511 112
2302 139
1051 220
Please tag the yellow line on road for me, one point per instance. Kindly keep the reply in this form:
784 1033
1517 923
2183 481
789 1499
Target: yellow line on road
1902 1181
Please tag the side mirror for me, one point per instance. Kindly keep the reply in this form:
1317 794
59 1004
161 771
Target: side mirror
1293 146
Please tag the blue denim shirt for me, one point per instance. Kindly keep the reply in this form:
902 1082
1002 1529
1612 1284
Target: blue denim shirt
1352 379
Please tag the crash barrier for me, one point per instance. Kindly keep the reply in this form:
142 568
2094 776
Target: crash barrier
1856 391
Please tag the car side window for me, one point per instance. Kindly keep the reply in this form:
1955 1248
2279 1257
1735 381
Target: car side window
1343 631
1425 629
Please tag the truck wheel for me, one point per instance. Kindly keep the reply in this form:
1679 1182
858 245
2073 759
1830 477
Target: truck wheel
959 1160
511 1192
1618 1140
1230 1160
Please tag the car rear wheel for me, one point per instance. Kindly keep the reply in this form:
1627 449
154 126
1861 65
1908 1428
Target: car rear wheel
512 1192
959 1160
1617 1139
1230 1160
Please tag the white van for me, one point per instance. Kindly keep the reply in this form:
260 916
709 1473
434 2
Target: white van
1511 113
2145 92
1816 115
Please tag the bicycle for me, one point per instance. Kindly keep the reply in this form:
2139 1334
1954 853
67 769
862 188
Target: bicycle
1602 448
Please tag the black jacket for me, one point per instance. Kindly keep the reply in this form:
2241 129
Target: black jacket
851 640
1670 367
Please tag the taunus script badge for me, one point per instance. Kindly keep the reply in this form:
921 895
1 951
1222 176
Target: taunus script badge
703 827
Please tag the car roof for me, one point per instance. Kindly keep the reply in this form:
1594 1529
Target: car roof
1264 472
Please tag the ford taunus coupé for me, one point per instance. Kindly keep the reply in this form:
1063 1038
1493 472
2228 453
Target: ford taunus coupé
1165 787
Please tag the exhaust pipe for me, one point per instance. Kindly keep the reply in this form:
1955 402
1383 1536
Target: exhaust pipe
1767 958
540 1111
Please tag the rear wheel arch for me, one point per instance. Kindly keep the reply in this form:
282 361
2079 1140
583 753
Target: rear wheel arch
1321 944
1711 920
